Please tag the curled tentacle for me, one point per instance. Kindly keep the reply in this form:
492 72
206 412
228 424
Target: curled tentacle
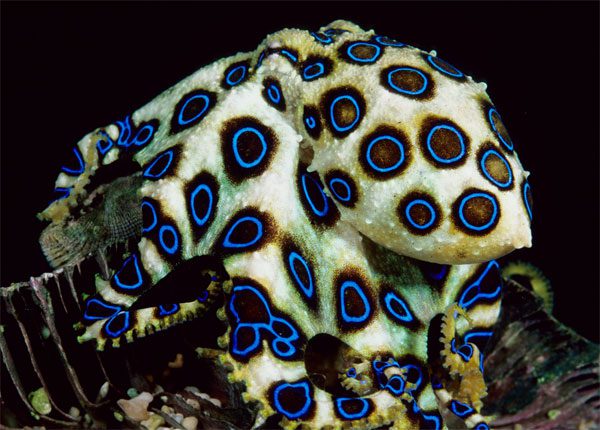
456 368
532 278
112 323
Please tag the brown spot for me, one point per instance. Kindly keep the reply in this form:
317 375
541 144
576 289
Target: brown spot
385 152
353 310
344 112
451 70
249 146
445 143
243 147
476 211
492 117
364 52
408 80
420 214
495 167
343 109
500 127
343 187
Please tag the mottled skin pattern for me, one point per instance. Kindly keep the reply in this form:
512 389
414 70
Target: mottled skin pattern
316 168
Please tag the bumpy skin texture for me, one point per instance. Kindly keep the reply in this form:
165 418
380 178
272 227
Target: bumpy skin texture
313 168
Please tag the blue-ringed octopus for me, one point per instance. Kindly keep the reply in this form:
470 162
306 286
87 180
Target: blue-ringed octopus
346 193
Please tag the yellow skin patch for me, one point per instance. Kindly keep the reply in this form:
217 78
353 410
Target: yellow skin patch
318 170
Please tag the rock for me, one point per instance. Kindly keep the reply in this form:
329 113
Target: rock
40 402
190 423
154 422
137 408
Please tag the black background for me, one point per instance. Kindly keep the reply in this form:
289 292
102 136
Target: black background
68 68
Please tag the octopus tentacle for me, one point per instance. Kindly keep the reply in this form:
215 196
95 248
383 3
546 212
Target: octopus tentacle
108 323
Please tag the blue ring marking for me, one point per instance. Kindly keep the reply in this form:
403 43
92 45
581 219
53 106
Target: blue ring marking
385 169
308 290
486 173
389 297
460 137
155 217
65 192
363 297
436 420
309 76
527 187
380 366
482 426
473 333
109 143
319 37
436 384
390 42
257 326
289 55
357 415
204 219
168 249
89 317
363 60
236 136
481 357
277 343
254 326
334 31
402 91
274 93
492 110
460 409
416 409
137 142
346 186
428 206
466 356
468 224
332 116
227 242
456 74
163 311
203 296
233 83
303 410
124 132
419 371
261 57
396 391
204 97
477 284
325 204
139 281
118 332
81 168
148 172
351 373
310 122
